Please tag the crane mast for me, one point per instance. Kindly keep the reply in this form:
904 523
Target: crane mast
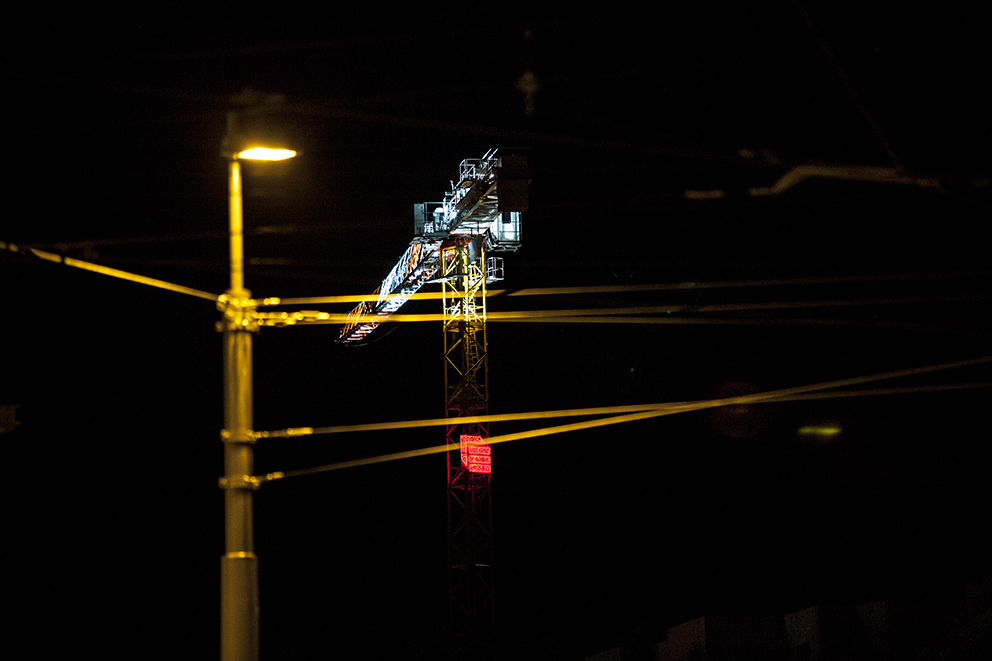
451 243
469 497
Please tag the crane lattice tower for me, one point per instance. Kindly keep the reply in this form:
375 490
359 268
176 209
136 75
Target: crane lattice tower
466 383
481 214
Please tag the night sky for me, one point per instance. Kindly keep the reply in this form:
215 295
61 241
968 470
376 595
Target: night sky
113 515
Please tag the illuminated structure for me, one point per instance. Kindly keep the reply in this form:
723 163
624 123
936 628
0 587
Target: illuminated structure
466 383
481 214
486 202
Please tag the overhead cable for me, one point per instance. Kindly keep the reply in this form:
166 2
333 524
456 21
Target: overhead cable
783 394
106 270
620 289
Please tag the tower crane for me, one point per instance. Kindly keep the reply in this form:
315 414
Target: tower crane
451 243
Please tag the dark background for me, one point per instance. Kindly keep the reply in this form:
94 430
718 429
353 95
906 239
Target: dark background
113 516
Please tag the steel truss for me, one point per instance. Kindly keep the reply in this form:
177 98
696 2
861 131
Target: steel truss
470 538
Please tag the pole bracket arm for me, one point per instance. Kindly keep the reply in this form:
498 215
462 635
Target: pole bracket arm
248 436
240 313
240 482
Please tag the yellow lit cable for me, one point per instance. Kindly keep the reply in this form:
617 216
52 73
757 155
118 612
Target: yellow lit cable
617 289
123 275
634 408
723 284
546 291
570 413
437 449
698 321
715 321
475 419
783 394
620 315
349 298
901 390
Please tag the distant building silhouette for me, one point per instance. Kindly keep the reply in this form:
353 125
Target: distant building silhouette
8 417
890 630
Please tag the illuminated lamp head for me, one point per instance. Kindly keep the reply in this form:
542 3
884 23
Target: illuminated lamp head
239 148
265 154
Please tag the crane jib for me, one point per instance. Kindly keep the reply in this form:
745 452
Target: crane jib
485 202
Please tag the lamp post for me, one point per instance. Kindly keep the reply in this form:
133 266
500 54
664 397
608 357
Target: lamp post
239 564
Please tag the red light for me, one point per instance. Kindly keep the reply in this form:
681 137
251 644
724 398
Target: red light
476 454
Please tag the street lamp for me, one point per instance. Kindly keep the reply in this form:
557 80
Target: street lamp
239 564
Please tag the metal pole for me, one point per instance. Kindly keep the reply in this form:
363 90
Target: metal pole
239 564
236 225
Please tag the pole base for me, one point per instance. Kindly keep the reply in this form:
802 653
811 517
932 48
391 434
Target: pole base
239 607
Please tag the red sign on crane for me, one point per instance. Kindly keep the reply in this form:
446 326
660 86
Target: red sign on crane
476 454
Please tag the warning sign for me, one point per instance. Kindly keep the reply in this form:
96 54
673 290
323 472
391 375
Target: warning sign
476 454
